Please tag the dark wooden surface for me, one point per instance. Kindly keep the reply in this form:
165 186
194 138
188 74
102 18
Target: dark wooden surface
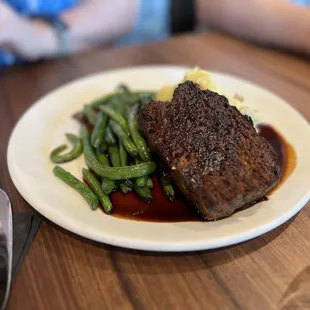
63 271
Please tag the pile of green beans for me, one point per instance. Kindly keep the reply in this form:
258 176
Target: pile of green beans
114 150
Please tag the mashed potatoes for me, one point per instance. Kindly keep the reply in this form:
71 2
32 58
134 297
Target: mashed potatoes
205 81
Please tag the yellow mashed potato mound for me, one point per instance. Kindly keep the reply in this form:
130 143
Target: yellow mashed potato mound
205 81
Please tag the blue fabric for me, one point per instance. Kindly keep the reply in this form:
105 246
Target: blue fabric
6 58
40 7
153 23
34 8
302 2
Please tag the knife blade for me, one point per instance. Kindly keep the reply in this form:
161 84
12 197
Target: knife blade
6 248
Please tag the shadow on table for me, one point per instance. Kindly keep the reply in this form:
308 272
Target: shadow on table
150 262
297 293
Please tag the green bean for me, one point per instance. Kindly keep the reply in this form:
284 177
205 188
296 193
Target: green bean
55 152
137 95
101 100
137 138
106 99
108 186
125 140
109 136
146 93
103 147
122 88
143 96
113 173
125 99
126 186
77 185
141 182
146 97
116 103
97 135
167 185
113 152
117 117
79 116
149 183
77 150
123 155
143 192
96 187
102 158
90 114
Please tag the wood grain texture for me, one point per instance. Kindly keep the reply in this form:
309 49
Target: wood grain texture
63 271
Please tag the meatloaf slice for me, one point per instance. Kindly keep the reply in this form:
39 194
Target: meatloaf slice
213 152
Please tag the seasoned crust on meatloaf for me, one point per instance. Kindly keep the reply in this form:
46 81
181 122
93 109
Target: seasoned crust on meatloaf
213 152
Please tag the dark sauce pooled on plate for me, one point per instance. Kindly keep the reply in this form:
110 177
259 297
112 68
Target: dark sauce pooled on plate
161 209
286 154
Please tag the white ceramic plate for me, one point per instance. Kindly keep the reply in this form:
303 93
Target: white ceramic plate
43 126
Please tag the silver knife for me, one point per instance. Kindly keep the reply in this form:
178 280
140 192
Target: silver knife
6 248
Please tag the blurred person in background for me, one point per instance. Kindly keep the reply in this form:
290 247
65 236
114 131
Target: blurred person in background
35 29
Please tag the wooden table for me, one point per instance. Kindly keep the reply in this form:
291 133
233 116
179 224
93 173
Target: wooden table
63 271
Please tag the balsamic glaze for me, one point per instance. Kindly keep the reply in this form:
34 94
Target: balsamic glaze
286 154
160 209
